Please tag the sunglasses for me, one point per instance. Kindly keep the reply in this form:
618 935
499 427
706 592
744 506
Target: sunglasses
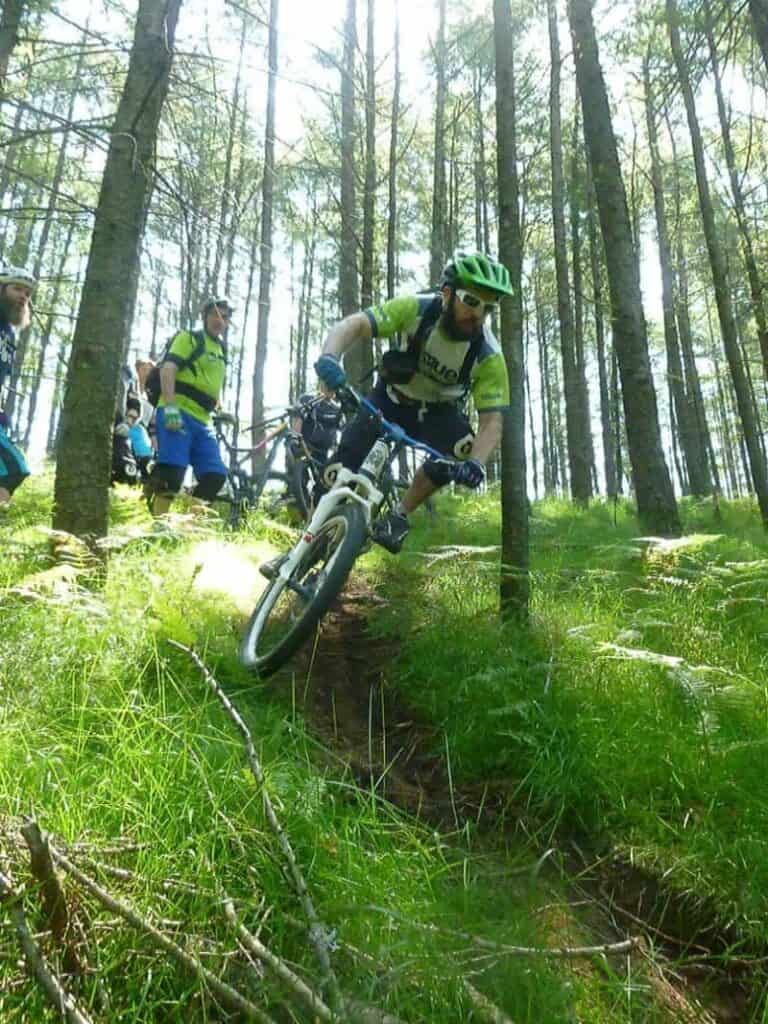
475 302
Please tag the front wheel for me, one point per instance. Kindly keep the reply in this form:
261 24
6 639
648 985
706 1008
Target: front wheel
289 610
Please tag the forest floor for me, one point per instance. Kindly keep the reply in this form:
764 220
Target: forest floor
350 703
471 807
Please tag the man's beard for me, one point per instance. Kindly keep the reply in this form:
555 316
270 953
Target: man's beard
451 327
15 313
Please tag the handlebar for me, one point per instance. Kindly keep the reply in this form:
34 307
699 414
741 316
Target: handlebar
349 397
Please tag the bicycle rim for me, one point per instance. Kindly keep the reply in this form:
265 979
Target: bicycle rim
287 613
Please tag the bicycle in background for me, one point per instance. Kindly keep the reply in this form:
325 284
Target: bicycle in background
304 584
296 473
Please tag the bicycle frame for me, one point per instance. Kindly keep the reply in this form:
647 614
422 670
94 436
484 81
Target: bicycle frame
359 487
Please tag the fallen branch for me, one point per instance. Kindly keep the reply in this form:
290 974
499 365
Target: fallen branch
279 967
228 995
485 1009
553 953
53 988
55 910
318 934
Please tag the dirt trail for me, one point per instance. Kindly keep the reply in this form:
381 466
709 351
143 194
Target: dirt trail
351 704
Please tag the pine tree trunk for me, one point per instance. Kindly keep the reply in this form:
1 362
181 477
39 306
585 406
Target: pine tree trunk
266 230
103 328
719 273
227 230
514 581
10 21
656 503
582 389
45 337
392 220
529 400
694 454
369 194
359 359
596 261
578 463
756 289
759 11
438 247
41 243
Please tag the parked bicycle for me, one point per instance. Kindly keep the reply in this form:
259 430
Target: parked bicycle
295 475
313 572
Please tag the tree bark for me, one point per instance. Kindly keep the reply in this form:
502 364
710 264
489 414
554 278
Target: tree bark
13 10
694 454
656 503
514 580
369 184
83 467
719 272
759 12
595 259
578 461
437 248
392 221
756 289
266 233
45 337
358 361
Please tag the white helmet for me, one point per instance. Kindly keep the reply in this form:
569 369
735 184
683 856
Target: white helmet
16 275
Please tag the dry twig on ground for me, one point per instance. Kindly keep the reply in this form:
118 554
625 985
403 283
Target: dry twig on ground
554 953
228 995
53 988
279 967
318 933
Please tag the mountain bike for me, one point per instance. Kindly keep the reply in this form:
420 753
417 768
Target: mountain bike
242 490
316 568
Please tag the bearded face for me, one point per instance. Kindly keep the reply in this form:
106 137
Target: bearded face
15 308
458 328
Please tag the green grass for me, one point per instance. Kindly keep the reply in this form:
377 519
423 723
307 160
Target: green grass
107 732
661 761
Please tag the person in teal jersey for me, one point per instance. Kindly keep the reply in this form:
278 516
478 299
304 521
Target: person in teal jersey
189 393
141 446
446 351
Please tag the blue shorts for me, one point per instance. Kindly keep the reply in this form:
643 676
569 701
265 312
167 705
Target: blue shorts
194 445
13 468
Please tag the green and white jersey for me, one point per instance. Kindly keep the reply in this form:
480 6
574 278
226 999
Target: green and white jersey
438 378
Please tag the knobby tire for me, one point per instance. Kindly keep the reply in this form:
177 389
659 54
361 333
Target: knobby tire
346 527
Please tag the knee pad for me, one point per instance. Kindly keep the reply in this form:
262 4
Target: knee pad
438 473
166 479
209 485
463 447
330 473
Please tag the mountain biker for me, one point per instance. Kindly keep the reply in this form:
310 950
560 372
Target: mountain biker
317 419
189 394
17 285
447 350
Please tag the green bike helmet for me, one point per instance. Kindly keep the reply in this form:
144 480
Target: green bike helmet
475 268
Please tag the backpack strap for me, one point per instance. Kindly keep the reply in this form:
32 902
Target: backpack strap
469 361
429 319
197 352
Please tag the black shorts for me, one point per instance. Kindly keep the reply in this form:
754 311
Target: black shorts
441 425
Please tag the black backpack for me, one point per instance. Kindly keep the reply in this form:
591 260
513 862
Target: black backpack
152 385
